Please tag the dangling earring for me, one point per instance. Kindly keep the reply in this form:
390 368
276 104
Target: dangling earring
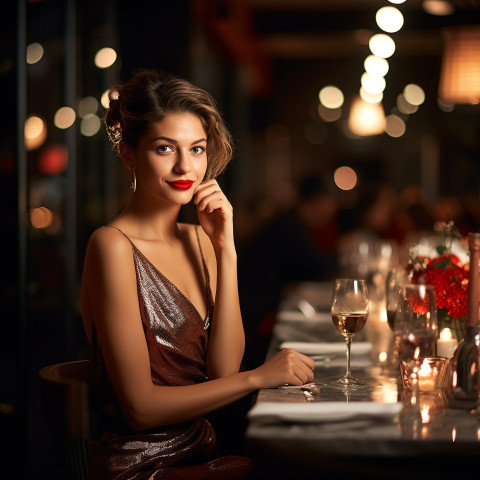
133 185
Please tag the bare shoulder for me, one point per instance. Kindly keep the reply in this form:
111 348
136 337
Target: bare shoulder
108 242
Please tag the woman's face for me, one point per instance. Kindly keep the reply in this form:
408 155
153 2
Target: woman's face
171 158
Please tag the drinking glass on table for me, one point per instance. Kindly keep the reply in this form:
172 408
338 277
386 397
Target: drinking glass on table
416 319
349 309
395 277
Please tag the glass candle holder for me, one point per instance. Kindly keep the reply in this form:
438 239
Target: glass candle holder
431 375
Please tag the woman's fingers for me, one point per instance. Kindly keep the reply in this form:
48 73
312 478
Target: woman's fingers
209 197
303 368
288 367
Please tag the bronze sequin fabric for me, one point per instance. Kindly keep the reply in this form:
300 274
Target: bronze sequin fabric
177 339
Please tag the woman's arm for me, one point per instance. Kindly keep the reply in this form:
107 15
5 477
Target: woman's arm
227 339
109 299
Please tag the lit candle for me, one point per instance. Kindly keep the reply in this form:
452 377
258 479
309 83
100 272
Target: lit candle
426 377
446 344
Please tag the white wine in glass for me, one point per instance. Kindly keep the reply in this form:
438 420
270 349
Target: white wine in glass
349 309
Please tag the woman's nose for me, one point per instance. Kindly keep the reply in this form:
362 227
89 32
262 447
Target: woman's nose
183 163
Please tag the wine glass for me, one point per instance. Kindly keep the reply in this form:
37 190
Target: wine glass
416 319
349 311
395 277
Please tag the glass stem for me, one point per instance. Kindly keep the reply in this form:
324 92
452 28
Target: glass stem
348 341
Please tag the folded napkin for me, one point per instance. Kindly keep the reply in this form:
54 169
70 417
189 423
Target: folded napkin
297 316
323 411
316 348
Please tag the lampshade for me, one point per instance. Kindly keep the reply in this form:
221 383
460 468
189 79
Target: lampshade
460 73
366 118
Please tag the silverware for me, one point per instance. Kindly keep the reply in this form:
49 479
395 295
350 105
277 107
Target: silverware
311 388
323 357
306 308
308 396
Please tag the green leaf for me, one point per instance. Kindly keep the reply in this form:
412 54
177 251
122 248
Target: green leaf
441 249
443 265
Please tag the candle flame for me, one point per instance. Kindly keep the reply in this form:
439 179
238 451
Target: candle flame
425 368
445 334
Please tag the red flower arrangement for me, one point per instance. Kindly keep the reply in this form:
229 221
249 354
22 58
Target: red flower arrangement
449 278
420 303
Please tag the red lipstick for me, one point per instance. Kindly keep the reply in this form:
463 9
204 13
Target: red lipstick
181 184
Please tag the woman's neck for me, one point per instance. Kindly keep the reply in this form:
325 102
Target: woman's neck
150 223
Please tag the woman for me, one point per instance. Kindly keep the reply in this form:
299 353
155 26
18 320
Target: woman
163 356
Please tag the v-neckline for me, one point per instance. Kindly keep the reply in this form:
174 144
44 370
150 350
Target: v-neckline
207 302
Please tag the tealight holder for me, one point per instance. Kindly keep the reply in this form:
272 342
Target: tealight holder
431 375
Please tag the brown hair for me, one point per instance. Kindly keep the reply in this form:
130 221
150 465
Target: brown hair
149 96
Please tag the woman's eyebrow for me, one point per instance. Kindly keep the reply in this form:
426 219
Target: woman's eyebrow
171 140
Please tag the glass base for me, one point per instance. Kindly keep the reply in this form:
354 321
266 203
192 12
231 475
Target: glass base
349 380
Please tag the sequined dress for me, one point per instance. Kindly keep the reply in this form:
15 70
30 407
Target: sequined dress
177 339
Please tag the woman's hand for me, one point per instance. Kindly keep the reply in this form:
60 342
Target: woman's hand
215 213
286 367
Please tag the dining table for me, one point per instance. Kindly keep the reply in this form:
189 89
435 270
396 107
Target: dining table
379 429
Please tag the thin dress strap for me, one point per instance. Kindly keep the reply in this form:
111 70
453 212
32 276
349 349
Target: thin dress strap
124 234
208 290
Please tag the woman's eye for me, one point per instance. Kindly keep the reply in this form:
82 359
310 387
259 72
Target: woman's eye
164 149
198 150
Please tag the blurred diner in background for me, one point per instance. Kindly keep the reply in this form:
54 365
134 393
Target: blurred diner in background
357 135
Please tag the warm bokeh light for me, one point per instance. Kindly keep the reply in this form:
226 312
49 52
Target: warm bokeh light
460 71
41 217
414 94
87 105
386 393
405 106
371 84
105 57
397 2
394 126
53 160
366 118
370 97
438 7
376 66
35 132
64 117
345 178
329 114
104 99
331 97
382 45
34 53
90 125
389 19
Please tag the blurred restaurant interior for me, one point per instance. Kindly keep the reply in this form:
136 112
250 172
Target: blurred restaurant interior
293 80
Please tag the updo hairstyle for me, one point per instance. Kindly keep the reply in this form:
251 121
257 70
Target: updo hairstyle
149 97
